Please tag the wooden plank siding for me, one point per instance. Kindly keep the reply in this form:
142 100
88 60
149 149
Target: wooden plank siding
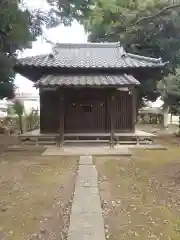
99 113
86 110
61 118
123 109
123 112
49 111
84 115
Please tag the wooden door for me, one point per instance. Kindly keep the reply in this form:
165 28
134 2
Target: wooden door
84 115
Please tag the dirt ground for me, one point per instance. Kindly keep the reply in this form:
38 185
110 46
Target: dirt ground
35 195
141 195
6 141
172 128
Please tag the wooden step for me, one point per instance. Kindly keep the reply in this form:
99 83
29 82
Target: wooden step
40 143
25 148
38 138
86 141
133 142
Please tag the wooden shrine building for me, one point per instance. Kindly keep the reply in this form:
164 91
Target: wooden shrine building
88 88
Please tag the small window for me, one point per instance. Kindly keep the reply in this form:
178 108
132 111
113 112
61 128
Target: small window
87 108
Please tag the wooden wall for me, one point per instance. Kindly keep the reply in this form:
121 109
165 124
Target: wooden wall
49 111
86 110
123 112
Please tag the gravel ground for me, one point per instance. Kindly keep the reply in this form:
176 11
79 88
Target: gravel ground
140 196
36 196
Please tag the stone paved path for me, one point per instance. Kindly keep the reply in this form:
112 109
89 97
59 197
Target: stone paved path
86 221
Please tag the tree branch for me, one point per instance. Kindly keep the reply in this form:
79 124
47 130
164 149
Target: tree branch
158 14
47 40
3 3
2 33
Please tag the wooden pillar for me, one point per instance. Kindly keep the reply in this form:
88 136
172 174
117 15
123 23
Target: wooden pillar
137 104
41 109
134 110
112 112
61 127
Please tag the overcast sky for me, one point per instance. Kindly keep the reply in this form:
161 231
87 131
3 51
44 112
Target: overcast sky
60 34
75 33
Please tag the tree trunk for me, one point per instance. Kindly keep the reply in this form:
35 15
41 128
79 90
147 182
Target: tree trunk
20 124
171 118
179 125
165 112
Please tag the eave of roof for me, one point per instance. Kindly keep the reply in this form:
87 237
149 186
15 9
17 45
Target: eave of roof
102 80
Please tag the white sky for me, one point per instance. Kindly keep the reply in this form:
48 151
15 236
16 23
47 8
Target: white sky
62 34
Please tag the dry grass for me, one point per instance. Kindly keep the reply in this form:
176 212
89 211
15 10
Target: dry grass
140 196
36 195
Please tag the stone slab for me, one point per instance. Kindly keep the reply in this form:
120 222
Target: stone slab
85 226
89 182
85 160
87 171
86 168
79 190
90 201
149 147
87 176
95 151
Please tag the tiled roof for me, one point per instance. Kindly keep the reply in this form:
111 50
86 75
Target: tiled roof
90 55
87 80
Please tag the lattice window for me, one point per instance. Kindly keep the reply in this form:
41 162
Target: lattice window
87 108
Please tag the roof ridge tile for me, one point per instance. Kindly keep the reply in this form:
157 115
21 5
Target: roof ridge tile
139 57
88 45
